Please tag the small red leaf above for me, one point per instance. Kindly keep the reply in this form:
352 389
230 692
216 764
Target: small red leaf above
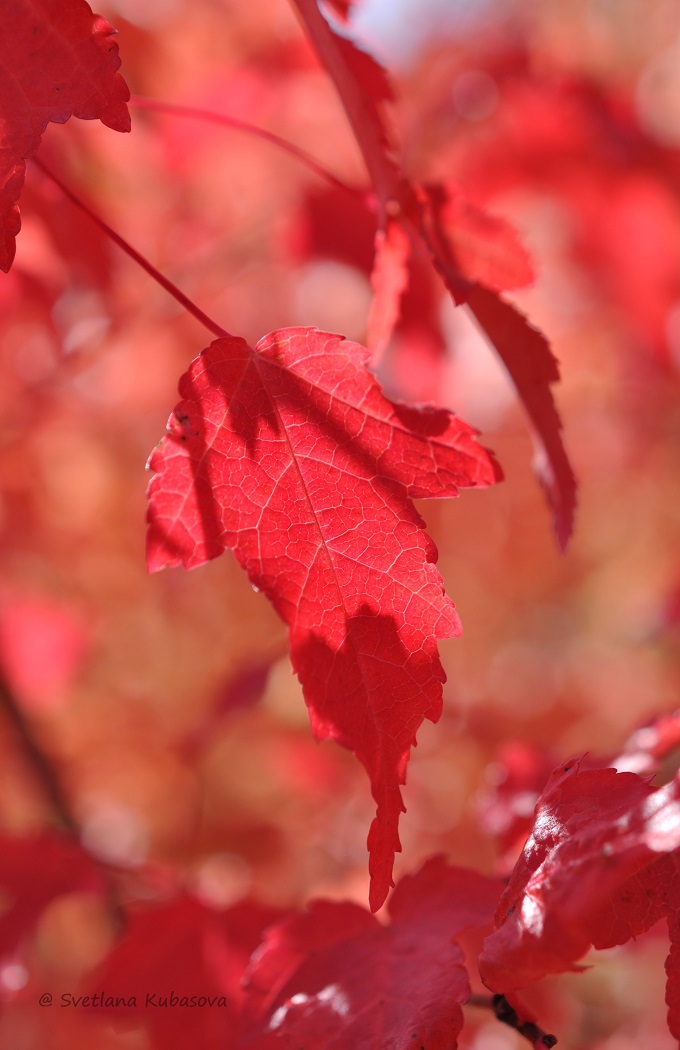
389 279
291 456
474 254
57 60
482 246
533 369
600 866
335 976
522 348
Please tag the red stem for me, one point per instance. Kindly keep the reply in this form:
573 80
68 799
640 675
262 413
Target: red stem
169 287
242 125
383 172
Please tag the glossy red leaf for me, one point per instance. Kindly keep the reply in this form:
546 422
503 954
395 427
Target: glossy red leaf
57 60
336 977
291 456
599 867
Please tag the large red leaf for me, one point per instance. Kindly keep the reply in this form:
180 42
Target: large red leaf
57 60
335 977
600 866
291 456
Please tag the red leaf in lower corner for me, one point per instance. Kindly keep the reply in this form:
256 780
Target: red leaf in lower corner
335 976
177 970
600 866
291 456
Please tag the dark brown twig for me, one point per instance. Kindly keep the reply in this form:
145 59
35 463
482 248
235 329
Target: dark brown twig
42 767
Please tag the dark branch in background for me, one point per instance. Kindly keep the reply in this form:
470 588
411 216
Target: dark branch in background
507 1014
45 774
169 287
41 766
156 106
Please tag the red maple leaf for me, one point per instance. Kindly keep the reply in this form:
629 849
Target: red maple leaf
600 866
291 456
335 976
57 60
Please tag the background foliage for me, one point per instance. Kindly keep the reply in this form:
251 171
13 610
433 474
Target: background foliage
165 704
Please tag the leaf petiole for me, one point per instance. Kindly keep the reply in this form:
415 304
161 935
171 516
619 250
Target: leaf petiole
164 282
155 105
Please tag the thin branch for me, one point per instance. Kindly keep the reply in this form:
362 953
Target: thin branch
37 760
169 287
507 1014
485 1002
235 124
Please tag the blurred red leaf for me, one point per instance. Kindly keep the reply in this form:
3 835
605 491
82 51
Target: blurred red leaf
482 247
33 872
42 646
647 747
291 456
620 213
518 775
186 950
336 975
57 60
